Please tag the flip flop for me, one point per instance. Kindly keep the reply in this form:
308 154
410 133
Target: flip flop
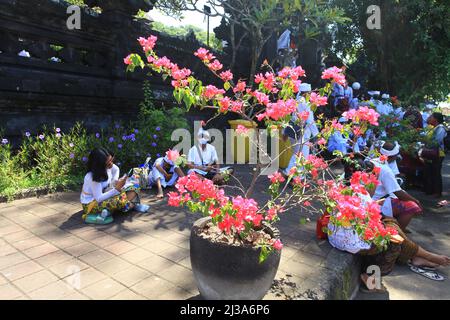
142 208
432 275
423 267
98 219
443 203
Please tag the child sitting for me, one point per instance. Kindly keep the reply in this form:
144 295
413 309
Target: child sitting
164 173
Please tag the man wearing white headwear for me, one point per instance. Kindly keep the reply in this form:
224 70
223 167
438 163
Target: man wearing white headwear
354 103
300 137
164 174
398 204
392 155
203 160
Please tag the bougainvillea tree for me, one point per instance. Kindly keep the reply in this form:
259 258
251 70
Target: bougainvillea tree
310 185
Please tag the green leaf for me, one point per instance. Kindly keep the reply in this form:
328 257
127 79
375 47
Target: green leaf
226 86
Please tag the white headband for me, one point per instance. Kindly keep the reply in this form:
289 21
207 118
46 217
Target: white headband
390 153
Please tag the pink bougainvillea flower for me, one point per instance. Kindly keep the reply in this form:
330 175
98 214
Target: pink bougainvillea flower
226 76
204 55
276 178
180 74
240 87
363 114
172 155
236 106
212 91
224 104
127 60
334 74
261 97
164 62
215 65
281 109
241 130
304 115
297 72
318 100
148 44
277 245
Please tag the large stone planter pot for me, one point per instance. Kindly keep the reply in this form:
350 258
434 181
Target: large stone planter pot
224 272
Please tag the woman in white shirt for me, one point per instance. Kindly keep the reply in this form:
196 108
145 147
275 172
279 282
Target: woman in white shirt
104 192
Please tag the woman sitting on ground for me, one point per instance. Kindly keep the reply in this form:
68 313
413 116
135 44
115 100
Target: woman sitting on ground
104 192
401 249
164 174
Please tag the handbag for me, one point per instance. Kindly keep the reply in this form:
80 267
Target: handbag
142 174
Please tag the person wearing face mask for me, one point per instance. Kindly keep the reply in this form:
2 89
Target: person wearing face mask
398 204
203 160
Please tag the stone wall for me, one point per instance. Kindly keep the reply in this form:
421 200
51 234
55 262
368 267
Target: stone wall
89 83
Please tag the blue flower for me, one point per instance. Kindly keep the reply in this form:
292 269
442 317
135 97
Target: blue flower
158 155
124 138
97 135
158 129
72 156
117 126
84 159
58 130
136 131
154 144
155 136
119 146
111 139
4 141
27 134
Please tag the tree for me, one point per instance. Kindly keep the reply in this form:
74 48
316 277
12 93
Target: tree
410 51
261 19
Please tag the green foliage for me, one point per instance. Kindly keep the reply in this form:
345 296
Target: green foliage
182 31
408 56
53 158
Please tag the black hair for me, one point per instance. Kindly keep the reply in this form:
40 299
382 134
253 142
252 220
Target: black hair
439 117
97 164
358 163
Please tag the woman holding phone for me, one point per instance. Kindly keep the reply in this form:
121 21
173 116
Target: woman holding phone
104 191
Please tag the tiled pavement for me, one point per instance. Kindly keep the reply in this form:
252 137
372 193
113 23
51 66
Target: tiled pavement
47 252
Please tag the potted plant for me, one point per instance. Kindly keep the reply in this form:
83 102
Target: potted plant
235 249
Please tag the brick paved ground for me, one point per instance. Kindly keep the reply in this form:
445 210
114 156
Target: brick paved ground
43 243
